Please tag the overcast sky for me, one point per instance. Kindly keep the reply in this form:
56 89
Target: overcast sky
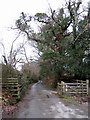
10 11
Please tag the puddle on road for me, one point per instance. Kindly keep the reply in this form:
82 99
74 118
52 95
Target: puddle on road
39 93
26 114
66 112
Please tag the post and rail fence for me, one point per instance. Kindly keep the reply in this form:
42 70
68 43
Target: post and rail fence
11 85
80 87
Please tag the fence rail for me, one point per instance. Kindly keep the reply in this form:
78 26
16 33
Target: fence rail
81 87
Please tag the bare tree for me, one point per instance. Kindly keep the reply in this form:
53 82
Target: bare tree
16 55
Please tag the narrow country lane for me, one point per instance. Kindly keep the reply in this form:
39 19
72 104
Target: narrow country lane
42 103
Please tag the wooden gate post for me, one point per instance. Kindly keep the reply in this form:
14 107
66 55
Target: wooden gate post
62 87
58 88
82 88
87 83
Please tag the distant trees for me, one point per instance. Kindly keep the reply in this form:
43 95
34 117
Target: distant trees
30 71
63 51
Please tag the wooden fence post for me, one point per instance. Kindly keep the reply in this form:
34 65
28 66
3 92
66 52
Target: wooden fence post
58 88
62 86
82 87
18 93
87 83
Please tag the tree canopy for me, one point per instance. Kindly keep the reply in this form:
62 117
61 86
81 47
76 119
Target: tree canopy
62 39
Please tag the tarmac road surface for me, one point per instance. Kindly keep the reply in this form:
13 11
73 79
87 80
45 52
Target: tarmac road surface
42 103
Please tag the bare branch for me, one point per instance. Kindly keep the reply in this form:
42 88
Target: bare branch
42 21
3 48
25 54
30 38
85 29
12 46
5 60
